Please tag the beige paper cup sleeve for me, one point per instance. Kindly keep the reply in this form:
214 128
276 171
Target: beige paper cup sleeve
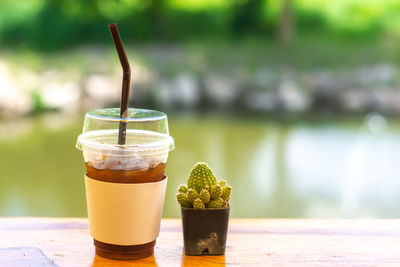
124 214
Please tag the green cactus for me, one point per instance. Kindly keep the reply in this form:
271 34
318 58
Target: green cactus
216 191
192 195
203 190
222 183
182 188
226 192
198 204
183 200
216 203
201 176
205 195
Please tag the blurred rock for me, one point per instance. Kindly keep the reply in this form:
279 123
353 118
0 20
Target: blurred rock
355 100
29 80
387 99
373 75
140 74
103 89
140 93
322 80
263 101
220 89
265 78
165 77
182 91
60 90
164 95
293 98
186 91
61 95
14 101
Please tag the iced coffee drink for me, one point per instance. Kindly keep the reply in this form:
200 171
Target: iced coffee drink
125 184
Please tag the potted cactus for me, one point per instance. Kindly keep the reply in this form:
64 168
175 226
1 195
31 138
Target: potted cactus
205 212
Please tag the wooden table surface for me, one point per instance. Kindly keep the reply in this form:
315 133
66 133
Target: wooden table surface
251 242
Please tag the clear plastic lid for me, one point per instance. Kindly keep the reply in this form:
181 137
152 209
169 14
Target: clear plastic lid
147 133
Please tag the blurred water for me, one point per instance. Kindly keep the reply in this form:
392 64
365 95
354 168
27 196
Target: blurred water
316 168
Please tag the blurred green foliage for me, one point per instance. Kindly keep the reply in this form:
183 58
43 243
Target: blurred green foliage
38 103
60 23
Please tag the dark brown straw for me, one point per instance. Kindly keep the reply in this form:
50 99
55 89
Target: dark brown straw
126 80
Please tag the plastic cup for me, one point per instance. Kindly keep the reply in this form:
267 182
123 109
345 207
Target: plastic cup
125 184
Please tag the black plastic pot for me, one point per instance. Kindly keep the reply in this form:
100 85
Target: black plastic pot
205 230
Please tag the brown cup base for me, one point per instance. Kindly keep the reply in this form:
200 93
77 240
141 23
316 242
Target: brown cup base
118 252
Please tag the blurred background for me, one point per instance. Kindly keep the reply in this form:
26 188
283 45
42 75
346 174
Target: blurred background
295 102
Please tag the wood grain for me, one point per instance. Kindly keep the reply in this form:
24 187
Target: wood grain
251 242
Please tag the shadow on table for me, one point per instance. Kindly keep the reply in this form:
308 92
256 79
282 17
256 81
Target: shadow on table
151 261
202 260
100 261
